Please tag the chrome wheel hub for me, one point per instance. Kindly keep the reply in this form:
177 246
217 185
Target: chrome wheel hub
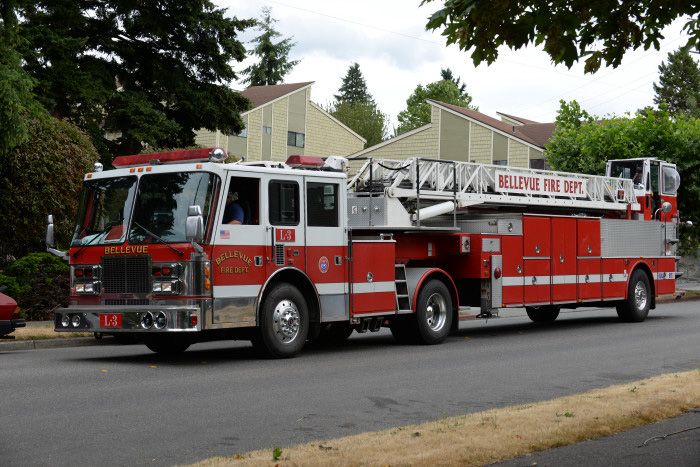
640 295
436 312
285 321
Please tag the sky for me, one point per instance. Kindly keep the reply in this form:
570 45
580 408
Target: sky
395 53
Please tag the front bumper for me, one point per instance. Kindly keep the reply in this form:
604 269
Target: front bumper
9 325
116 319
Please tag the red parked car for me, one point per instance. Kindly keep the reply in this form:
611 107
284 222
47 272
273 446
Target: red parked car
8 308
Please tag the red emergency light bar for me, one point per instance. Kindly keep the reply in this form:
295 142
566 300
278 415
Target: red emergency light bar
170 157
305 161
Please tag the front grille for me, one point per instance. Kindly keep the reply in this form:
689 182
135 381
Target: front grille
124 301
126 274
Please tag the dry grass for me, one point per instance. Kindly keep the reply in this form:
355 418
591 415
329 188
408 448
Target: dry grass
495 435
29 333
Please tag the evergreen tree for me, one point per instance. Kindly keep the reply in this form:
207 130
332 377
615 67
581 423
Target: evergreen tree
679 84
145 73
16 99
417 111
446 73
274 61
354 88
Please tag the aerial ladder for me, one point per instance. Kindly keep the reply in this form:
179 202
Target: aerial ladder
402 193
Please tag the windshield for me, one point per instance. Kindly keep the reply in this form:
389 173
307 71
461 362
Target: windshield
105 208
633 170
161 205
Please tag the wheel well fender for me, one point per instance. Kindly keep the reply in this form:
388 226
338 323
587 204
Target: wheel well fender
301 281
416 277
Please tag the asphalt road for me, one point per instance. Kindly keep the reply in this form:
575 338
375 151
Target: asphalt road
122 405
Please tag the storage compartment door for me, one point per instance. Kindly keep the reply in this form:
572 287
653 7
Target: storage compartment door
373 282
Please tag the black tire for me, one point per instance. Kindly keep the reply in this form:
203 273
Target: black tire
167 344
403 328
284 322
433 315
332 334
543 314
636 308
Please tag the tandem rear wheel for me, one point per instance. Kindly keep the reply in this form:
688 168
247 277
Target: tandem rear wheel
543 314
432 320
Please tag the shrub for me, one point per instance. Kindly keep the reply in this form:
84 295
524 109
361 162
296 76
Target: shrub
42 176
39 282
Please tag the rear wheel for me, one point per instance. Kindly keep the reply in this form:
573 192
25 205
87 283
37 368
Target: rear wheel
543 314
636 308
433 312
284 322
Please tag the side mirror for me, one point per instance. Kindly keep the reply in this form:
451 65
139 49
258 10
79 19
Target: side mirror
666 207
50 242
194 227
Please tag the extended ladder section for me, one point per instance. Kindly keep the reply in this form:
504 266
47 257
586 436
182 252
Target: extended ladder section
440 186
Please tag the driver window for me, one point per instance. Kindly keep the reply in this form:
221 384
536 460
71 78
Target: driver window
242 202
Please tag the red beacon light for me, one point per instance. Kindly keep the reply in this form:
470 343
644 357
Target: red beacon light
171 157
305 162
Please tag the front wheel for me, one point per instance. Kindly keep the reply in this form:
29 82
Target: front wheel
167 344
284 322
636 308
433 312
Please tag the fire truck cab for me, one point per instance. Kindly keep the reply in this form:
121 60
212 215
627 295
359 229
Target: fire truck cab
175 248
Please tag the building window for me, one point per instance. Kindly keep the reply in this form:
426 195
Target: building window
322 204
500 162
243 133
537 164
295 139
267 130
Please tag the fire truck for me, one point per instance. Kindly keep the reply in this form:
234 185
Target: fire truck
320 248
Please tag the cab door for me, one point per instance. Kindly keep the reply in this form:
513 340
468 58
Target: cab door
326 243
237 263
284 230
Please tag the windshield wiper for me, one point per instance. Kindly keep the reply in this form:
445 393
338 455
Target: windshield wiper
98 235
158 238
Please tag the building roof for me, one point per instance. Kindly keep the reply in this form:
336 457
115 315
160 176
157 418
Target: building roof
261 95
517 119
538 132
534 133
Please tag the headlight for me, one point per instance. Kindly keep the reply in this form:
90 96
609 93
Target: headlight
170 287
91 288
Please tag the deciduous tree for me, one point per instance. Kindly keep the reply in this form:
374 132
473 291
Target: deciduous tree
417 111
569 30
364 118
585 147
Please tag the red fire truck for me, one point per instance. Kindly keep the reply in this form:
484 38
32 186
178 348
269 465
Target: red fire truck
177 247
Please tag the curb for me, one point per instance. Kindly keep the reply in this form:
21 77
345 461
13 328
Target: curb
51 343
